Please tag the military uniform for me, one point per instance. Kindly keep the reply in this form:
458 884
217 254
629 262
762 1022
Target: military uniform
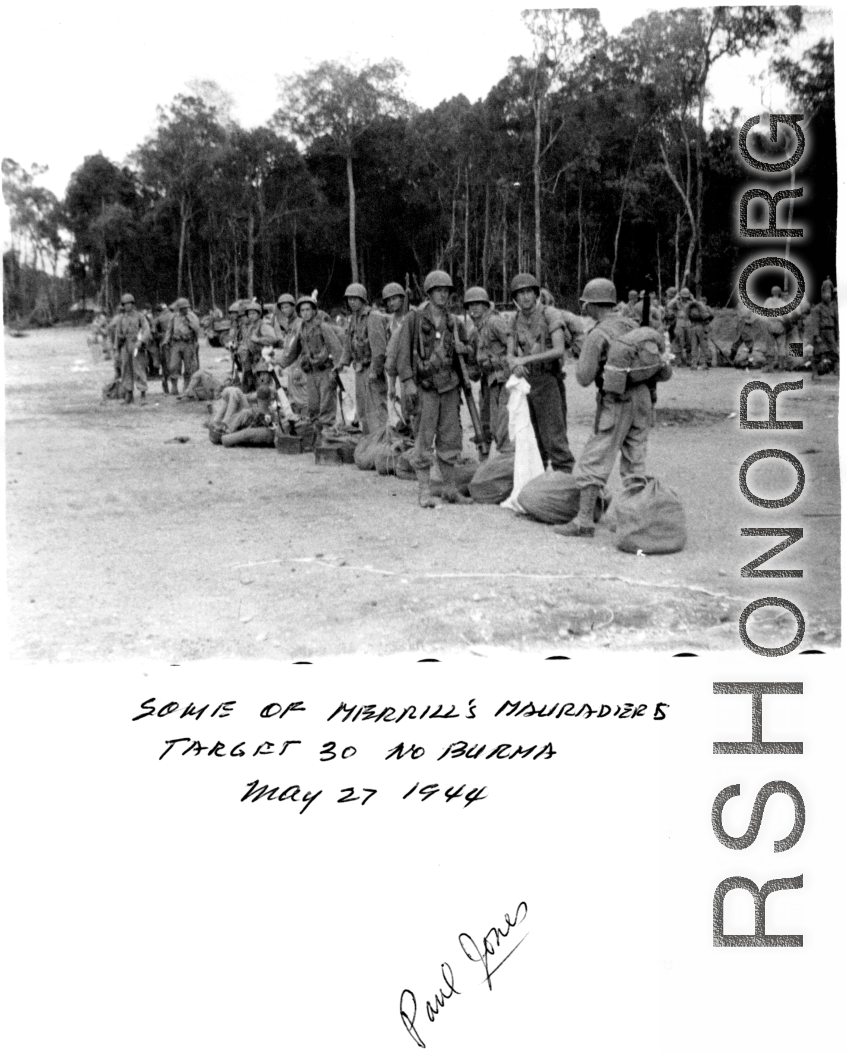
131 334
364 349
777 335
623 422
489 343
532 333
425 349
317 350
823 323
700 316
182 342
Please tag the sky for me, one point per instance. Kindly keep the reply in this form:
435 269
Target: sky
88 76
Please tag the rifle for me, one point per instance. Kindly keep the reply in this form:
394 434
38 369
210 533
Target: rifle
407 296
465 384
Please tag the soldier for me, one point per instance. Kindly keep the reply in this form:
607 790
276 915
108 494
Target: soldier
131 334
536 350
318 351
699 315
428 340
235 411
204 386
632 308
156 356
824 327
364 349
745 333
396 304
682 326
181 345
622 423
246 352
489 343
777 338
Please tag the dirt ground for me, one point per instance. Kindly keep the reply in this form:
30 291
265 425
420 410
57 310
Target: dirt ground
123 543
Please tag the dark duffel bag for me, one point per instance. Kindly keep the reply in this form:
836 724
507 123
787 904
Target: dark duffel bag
493 481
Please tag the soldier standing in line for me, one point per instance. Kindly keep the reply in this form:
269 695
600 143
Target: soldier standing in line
536 350
777 339
159 329
364 349
622 423
489 343
131 334
318 351
682 326
699 315
824 327
745 333
181 345
246 351
428 340
395 302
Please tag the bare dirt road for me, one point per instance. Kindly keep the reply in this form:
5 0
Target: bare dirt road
125 544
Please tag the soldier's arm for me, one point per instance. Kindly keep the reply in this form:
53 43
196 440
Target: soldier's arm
333 345
145 330
557 351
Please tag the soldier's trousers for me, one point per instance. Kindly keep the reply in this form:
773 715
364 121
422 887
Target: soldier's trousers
682 344
777 351
439 423
320 394
499 409
622 427
485 410
182 354
699 347
133 369
548 412
371 401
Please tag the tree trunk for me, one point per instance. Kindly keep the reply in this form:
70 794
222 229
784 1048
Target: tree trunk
676 252
250 222
351 194
212 279
505 247
660 291
183 229
466 266
536 190
294 258
485 233
579 240
520 236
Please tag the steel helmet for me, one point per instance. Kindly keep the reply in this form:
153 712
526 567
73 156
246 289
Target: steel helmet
268 306
632 295
393 289
670 291
234 308
306 299
599 290
163 307
251 305
776 291
181 302
127 298
356 290
286 298
437 280
685 294
524 281
476 294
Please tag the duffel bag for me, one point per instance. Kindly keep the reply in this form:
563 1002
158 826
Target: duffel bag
554 498
492 482
651 518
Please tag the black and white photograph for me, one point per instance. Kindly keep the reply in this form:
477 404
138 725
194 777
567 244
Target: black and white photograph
423 528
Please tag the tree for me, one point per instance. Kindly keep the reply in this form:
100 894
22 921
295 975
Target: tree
177 161
339 102
35 219
671 55
560 38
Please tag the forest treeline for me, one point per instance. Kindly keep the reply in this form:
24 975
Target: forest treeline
597 155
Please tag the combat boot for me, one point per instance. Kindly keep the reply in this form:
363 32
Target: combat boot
450 492
583 525
128 398
174 389
425 498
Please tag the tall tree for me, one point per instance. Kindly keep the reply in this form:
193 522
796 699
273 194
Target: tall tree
339 102
561 38
177 161
673 54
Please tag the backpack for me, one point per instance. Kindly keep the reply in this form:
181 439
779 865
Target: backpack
632 358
